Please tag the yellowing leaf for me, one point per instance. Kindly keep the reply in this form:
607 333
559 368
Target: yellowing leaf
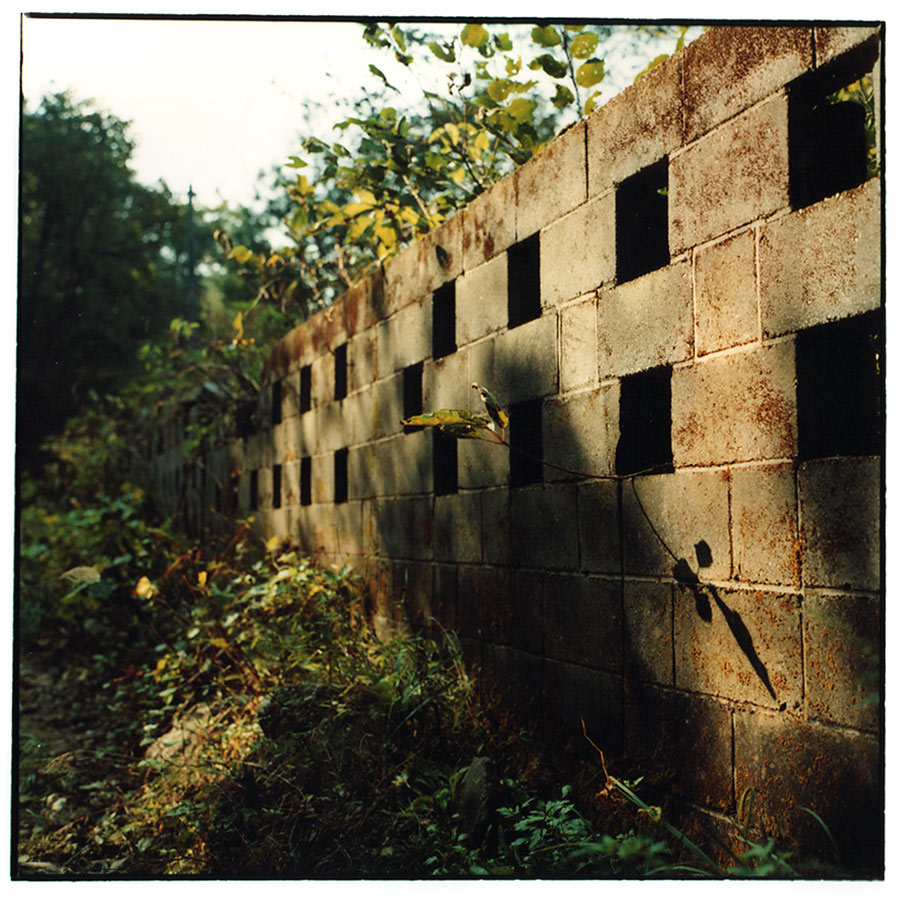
366 197
240 254
590 73
201 578
452 132
273 543
521 109
144 588
82 575
238 326
584 45
474 35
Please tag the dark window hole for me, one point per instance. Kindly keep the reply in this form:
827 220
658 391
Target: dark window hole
523 262
642 222
526 443
412 395
443 320
444 463
254 489
340 475
305 389
276 402
645 422
306 481
340 372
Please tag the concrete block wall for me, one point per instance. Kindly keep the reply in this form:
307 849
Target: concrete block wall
661 306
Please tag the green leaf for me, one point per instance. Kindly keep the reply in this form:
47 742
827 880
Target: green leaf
590 73
443 52
499 89
584 45
458 423
546 36
562 97
521 109
379 74
502 42
474 35
240 254
553 67
591 103
295 163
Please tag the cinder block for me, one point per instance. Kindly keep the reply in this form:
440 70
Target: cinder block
791 764
578 251
526 628
735 408
648 631
691 736
551 183
544 527
822 263
582 619
446 385
401 528
489 223
253 451
832 41
735 175
361 471
842 650
726 312
729 69
421 268
410 455
598 526
495 526
511 686
348 528
580 433
457 527
404 338
481 301
840 520
520 364
743 645
413 585
647 322
636 127
290 484
322 378
290 396
443 605
578 344
688 511
764 526
334 425
574 695
361 361
385 405
481 464
484 606
322 472
363 304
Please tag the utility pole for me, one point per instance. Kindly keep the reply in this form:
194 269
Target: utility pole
191 310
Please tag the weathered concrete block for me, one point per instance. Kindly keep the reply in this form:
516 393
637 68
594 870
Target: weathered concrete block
480 464
840 505
580 433
648 631
348 528
404 338
735 408
842 650
412 588
290 484
544 526
446 385
575 694
362 464
690 735
647 322
409 455
525 629
822 263
385 407
520 364
322 471
495 542
443 603
481 301
764 525
322 378
361 361
578 251
743 645
582 621
832 41
363 304
457 527
792 764
334 425
578 344
636 127
511 686
484 603
689 511
489 223
728 69
290 396
598 526
733 176
726 308
551 183
421 268
401 528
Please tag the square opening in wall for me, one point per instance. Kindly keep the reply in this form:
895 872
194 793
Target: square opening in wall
306 481
523 265
526 443
340 475
443 320
305 389
642 222
840 388
254 489
444 458
645 422
412 395
276 402
340 372
831 128
276 487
